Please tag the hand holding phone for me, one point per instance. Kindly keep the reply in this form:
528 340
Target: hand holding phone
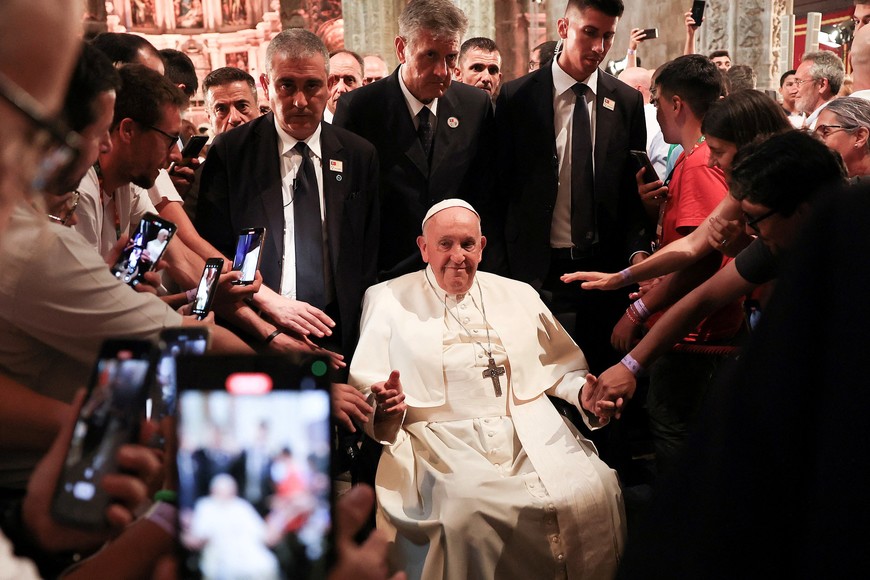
144 248
642 160
248 250
698 12
207 288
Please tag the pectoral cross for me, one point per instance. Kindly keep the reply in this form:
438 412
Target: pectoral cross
494 372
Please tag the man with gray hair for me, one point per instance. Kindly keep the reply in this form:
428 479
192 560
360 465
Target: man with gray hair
313 187
819 77
434 137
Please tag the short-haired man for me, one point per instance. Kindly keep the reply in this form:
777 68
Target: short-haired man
458 364
819 77
434 137
313 187
345 75
375 68
740 77
788 90
230 96
657 149
861 15
722 60
542 55
180 70
479 65
125 48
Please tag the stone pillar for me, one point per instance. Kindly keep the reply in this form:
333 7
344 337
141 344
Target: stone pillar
512 38
555 11
361 37
750 31
481 17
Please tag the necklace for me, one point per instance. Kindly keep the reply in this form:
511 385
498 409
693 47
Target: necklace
492 371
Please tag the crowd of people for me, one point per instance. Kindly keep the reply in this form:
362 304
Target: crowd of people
493 273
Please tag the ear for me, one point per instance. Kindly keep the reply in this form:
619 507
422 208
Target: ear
264 83
421 243
401 45
127 129
457 74
861 134
482 242
562 27
678 103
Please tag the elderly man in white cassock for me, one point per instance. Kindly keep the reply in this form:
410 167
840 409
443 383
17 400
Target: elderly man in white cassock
480 476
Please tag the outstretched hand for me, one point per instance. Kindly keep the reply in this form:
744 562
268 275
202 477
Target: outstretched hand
349 404
390 397
596 280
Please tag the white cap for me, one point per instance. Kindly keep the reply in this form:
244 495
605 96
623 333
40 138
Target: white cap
447 204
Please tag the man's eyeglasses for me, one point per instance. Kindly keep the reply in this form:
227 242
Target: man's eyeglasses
173 139
800 82
69 209
825 130
59 147
753 222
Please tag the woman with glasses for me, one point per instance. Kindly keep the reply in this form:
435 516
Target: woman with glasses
844 126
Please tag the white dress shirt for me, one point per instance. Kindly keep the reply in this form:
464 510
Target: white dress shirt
415 105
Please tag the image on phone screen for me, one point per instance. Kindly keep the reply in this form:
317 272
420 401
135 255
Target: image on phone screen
247 258
174 342
109 419
254 470
207 287
144 248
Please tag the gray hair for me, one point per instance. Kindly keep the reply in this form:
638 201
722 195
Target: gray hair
440 18
296 43
851 112
826 65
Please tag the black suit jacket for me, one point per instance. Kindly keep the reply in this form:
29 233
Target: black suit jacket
528 172
241 188
462 162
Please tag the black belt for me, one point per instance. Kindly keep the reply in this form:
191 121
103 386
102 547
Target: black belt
573 254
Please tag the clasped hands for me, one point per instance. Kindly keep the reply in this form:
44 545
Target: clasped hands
605 396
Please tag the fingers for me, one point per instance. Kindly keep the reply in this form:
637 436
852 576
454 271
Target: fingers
343 419
352 512
149 283
575 276
143 462
393 382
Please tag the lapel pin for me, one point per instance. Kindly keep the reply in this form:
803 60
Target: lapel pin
609 104
452 122
338 177
335 165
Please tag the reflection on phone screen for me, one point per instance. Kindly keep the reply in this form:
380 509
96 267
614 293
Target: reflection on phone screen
248 254
254 483
162 401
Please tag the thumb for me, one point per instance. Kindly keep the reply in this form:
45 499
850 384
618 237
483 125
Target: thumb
393 382
353 509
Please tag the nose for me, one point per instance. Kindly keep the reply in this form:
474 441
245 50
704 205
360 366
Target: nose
299 100
175 152
234 118
106 144
441 68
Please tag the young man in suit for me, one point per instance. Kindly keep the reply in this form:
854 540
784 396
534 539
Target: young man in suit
446 155
567 176
314 188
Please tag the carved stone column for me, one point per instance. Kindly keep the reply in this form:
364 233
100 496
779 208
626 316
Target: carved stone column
481 17
555 11
363 38
512 37
750 31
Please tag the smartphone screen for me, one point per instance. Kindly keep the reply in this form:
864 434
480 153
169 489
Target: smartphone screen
255 497
193 146
174 342
642 160
109 419
247 258
144 248
698 11
207 287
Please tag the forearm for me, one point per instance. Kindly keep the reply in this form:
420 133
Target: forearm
675 256
184 265
132 555
175 213
676 285
30 421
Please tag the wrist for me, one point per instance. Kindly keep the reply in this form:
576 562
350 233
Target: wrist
632 365
165 516
631 52
272 336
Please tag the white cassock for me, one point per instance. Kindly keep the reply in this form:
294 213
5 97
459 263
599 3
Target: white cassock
470 484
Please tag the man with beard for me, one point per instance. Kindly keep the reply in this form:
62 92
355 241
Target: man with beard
819 78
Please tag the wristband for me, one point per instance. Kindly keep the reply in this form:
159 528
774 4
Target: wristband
164 515
641 309
632 365
633 316
166 495
626 275
272 336
191 294
630 51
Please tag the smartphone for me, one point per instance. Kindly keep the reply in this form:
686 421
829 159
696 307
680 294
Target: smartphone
650 33
174 342
247 258
109 419
144 248
642 160
193 146
254 467
207 287
698 11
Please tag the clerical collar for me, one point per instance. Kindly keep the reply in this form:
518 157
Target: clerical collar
415 105
287 142
562 81
439 291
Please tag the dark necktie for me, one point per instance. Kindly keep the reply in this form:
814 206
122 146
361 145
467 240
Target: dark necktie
425 132
582 187
308 232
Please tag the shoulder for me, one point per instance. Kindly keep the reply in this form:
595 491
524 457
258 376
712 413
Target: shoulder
516 288
372 93
347 139
244 133
397 286
531 84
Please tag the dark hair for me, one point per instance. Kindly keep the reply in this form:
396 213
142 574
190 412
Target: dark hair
740 77
546 51
122 47
785 170
143 94
479 42
226 75
718 53
742 116
788 73
609 7
356 57
692 77
180 70
93 74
